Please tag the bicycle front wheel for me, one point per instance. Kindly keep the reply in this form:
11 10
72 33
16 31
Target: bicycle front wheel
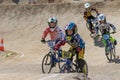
82 67
108 53
46 63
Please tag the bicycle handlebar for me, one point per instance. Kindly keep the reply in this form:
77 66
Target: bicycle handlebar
108 33
50 43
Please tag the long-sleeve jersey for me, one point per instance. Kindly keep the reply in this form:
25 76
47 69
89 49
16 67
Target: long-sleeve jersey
57 34
104 28
76 41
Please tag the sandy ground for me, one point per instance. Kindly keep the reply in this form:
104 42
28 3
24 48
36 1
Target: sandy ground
21 26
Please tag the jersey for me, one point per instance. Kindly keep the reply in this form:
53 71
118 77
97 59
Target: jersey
75 42
104 28
88 14
57 34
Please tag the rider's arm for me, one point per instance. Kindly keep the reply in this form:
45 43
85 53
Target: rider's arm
85 15
94 9
62 36
45 33
59 44
80 42
113 27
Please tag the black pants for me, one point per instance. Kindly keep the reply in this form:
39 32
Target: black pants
90 18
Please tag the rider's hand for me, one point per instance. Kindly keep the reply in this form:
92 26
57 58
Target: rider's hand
114 32
56 47
78 49
43 40
97 35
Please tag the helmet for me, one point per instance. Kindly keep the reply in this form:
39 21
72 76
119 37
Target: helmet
87 5
52 20
71 26
101 18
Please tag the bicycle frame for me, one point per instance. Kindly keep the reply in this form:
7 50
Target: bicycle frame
51 44
51 58
109 47
109 44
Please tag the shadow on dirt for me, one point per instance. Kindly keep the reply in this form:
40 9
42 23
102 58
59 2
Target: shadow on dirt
98 42
117 61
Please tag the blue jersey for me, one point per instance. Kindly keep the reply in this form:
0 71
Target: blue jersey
76 41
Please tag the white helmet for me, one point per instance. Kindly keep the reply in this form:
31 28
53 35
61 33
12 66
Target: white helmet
101 17
52 20
87 5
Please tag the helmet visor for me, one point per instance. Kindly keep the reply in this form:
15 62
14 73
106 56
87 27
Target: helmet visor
69 32
52 25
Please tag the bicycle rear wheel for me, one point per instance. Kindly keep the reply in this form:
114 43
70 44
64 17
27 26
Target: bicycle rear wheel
85 69
46 63
82 67
114 52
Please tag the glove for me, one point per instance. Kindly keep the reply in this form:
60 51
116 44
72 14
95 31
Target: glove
56 47
42 40
114 32
97 35
78 49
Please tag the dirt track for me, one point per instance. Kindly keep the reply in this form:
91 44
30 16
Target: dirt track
21 27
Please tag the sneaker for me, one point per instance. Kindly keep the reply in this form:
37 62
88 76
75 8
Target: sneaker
53 64
106 53
92 32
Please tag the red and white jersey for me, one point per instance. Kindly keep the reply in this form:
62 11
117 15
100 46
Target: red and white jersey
57 34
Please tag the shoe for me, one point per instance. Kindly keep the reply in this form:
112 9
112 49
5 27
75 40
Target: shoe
92 32
106 53
115 42
53 64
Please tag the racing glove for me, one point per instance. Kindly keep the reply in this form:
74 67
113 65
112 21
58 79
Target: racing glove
42 40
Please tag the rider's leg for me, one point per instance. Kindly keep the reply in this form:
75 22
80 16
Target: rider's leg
90 23
81 61
113 40
104 42
81 54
